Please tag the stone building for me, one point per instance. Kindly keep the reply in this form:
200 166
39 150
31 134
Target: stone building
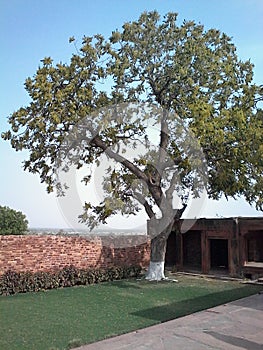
231 246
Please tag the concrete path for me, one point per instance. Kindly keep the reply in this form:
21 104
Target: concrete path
232 326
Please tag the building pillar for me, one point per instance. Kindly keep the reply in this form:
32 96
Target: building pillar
205 253
179 251
234 264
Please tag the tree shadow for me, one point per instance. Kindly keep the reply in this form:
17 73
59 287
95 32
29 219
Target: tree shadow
236 341
177 309
254 305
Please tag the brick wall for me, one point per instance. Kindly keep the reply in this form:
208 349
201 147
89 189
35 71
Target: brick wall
46 253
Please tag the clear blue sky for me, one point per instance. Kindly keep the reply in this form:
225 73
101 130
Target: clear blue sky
33 29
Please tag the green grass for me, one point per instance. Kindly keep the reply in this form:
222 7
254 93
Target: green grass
59 319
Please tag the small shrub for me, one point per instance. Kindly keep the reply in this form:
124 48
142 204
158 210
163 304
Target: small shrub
21 282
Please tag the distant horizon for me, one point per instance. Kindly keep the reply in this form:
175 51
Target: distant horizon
139 229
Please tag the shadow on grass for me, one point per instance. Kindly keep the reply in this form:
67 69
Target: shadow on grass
177 309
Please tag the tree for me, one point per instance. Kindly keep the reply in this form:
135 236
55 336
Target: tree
184 80
12 222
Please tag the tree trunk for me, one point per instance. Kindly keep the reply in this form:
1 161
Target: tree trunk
157 258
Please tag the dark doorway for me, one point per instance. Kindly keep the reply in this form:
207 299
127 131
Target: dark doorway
192 250
255 246
219 254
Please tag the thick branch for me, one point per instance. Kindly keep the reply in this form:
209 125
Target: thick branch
140 198
155 191
164 139
156 173
97 141
157 194
173 183
156 176
158 92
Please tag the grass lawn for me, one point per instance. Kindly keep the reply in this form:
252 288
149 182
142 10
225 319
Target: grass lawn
60 319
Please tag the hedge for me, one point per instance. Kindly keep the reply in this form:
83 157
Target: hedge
21 282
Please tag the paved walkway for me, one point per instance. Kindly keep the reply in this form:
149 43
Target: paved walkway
232 326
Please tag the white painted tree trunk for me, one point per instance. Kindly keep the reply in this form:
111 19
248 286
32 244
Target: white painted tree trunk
159 233
155 271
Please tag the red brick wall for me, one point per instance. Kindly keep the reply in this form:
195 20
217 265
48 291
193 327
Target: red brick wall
46 253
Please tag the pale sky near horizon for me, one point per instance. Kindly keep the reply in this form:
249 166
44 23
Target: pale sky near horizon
33 29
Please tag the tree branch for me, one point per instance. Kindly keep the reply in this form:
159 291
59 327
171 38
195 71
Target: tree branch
97 141
170 190
144 202
164 140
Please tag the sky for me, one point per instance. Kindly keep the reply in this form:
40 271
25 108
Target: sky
33 29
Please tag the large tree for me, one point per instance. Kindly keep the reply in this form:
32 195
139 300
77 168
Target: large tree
184 80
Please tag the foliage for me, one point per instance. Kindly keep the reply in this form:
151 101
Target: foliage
12 222
197 81
13 282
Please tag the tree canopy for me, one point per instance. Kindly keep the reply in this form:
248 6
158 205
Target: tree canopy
190 77
12 222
